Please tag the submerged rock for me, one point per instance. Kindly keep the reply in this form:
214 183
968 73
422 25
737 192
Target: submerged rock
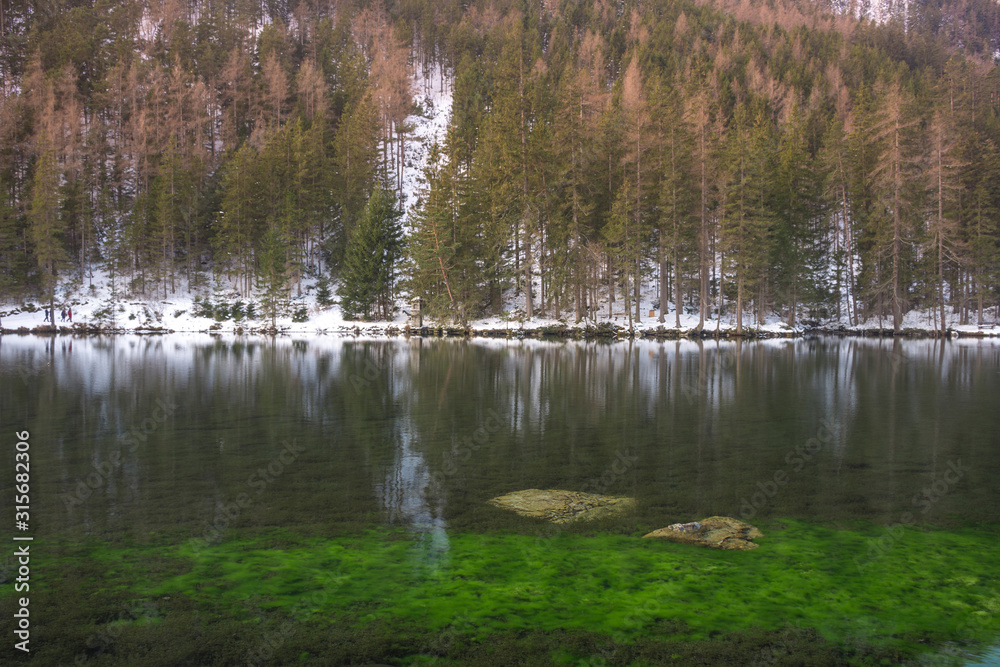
718 532
563 506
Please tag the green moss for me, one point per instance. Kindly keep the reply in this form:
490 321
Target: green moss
924 588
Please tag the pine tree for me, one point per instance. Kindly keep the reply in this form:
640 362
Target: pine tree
272 274
677 199
624 236
437 252
883 193
943 238
699 117
44 227
174 194
241 221
834 168
983 223
367 282
634 107
575 157
498 174
355 162
747 229
797 208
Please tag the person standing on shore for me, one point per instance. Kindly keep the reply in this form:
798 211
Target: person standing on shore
46 315
69 314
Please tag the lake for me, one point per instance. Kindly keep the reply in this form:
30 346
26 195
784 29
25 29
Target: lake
208 500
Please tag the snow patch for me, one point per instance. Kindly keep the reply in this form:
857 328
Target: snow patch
430 126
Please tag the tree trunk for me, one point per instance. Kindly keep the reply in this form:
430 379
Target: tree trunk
528 309
664 288
677 290
897 239
703 298
611 289
739 306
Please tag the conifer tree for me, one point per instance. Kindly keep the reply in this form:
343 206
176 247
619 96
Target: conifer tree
241 220
624 237
355 162
676 199
797 251
748 222
44 227
367 281
983 223
943 238
272 274
699 117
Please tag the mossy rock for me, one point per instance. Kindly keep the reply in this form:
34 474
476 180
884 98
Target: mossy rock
560 506
718 532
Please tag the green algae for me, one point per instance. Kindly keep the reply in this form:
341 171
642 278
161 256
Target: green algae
922 588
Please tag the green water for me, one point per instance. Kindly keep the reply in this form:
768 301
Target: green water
205 501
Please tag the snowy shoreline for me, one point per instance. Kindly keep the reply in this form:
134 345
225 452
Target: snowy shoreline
537 330
95 311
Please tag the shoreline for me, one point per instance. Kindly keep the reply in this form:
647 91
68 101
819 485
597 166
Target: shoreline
603 331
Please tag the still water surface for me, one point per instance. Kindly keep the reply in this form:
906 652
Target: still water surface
182 438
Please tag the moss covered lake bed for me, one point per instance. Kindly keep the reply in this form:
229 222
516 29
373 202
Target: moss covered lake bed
812 594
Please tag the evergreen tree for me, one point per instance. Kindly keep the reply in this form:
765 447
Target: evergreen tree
747 229
272 274
983 224
367 281
44 227
442 253
575 158
241 221
174 194
624 236
943 238
798 251
355 160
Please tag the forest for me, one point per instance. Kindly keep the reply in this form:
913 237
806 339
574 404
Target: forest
816 161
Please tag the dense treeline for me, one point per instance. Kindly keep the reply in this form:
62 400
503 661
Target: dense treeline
744 158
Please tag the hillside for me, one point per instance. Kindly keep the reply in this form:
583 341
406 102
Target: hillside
728 162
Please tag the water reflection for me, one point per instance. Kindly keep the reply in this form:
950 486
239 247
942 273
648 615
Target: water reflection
380 423
409 498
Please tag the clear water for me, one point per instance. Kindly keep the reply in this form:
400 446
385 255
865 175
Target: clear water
195 440
990 657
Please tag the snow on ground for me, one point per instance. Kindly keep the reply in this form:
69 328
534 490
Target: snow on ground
176 313
433 97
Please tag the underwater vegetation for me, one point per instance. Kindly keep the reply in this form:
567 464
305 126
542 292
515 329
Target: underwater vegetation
811 594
